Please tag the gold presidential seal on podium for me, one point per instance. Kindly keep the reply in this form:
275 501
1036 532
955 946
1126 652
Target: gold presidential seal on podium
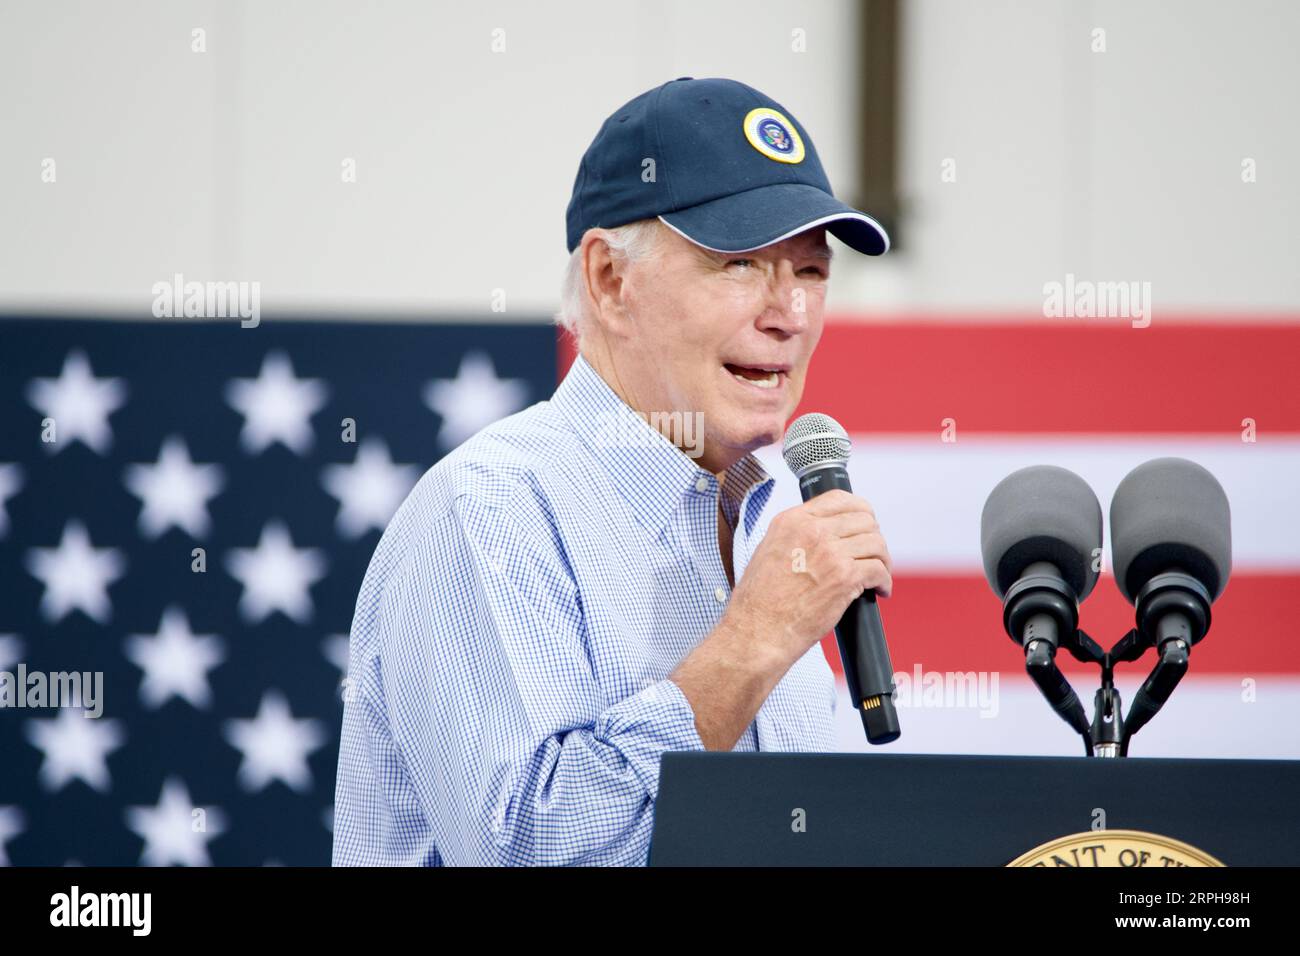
1129 848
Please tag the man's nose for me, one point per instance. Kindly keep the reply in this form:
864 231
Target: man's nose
787 303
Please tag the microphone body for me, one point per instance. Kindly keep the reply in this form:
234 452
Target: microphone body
1039 530
860 634
1171 545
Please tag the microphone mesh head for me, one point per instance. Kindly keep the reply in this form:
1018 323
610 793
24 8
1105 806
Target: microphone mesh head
815 439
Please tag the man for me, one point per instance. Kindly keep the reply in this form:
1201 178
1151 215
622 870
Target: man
591 582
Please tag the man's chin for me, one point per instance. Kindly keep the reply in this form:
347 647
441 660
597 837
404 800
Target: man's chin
743 435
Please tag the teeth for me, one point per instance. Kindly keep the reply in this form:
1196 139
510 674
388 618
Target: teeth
772 380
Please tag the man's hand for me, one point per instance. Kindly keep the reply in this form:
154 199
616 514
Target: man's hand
813 561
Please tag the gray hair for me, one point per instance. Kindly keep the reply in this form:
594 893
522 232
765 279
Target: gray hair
632 243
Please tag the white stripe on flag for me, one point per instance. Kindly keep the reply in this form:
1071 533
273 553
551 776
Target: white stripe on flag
929 495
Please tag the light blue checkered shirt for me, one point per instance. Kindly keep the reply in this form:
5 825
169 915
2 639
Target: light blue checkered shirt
507 696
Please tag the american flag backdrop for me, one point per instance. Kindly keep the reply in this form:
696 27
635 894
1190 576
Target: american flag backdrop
282 450
940 410
221 687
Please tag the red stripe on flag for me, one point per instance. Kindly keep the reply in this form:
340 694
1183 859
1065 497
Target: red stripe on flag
954 623
1052 375
1057 376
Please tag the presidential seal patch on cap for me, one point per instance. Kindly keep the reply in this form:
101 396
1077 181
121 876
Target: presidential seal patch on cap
773 135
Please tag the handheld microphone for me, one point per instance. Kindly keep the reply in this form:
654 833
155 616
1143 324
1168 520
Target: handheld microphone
817 450
1040 536
1171 548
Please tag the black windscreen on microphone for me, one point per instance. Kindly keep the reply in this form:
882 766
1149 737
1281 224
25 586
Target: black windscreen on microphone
1170 513
1041 513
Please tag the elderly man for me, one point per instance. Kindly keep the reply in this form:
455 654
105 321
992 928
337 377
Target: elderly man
591 582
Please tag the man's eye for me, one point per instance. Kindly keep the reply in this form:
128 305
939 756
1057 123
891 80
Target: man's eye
741 262
815 271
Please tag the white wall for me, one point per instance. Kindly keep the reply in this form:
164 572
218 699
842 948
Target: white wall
1117 165
226 164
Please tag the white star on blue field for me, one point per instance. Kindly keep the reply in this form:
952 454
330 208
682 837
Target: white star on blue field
188 509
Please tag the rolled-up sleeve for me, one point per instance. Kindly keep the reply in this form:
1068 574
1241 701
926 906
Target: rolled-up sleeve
510 744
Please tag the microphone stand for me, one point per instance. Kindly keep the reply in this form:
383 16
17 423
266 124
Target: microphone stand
1041 613
1173 613
1107 737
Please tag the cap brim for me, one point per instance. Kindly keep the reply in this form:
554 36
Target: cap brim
759 217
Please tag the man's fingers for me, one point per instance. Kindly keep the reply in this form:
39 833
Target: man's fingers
836 501
876 575
851 523
870 545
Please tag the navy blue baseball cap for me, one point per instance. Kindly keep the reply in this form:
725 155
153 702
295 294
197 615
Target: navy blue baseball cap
717 161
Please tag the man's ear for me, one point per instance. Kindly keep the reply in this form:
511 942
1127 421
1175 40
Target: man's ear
604 274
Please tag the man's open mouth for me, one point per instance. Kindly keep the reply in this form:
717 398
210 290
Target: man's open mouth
762 376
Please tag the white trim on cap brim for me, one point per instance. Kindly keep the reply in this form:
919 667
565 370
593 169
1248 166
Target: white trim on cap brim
793 232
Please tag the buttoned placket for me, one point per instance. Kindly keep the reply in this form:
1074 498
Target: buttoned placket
706 485
739 538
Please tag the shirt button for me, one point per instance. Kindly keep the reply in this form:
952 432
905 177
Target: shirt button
721 594
701 484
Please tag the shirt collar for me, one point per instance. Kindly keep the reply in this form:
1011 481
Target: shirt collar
744 475
649 471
